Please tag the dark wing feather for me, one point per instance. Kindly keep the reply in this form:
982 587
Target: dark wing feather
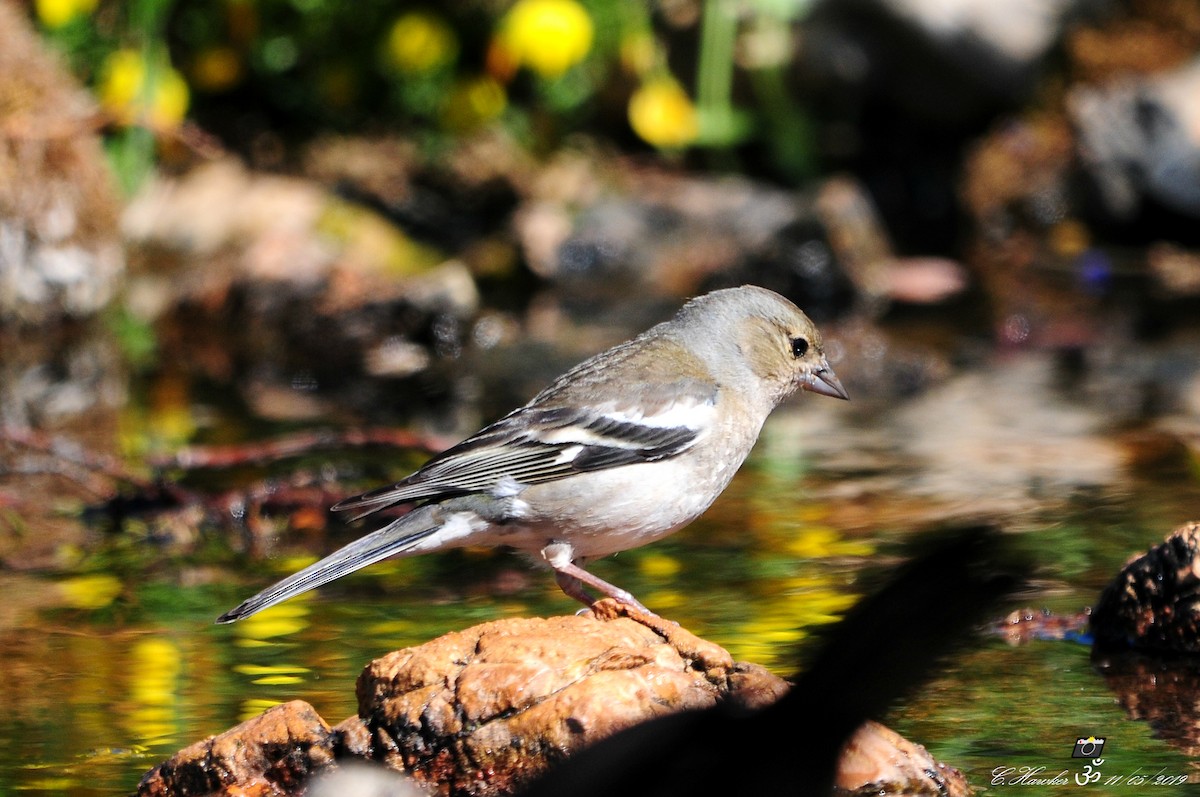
530 446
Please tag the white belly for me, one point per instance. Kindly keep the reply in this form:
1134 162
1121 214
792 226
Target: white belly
618 509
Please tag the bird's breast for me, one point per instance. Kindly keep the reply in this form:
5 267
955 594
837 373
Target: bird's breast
612 510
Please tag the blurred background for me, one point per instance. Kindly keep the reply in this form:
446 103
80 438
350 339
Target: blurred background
258 255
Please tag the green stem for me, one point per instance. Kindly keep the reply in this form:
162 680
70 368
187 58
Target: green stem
714 83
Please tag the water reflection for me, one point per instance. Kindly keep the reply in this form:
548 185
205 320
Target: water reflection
156 667
120 646
139 678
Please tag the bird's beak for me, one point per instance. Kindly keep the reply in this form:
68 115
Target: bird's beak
824 381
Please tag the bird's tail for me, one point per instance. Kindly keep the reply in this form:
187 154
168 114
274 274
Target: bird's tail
402 534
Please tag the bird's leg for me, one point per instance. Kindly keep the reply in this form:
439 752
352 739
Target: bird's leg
574 588
571 578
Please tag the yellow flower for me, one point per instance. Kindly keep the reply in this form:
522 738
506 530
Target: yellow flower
420 42
639 53
548 36
661 113
56 13
134 94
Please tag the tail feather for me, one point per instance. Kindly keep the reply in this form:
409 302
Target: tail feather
399 535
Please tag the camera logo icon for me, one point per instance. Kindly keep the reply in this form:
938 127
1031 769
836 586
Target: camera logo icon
1091 747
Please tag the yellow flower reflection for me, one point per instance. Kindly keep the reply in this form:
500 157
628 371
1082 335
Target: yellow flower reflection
266 627
90 592
658 565
274 674
254 706
661 113
797 605
548 36
154 673
665 599
823 542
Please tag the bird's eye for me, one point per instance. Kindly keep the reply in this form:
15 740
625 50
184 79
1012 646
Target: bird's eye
799 347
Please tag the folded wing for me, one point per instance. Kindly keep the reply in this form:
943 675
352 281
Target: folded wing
535 445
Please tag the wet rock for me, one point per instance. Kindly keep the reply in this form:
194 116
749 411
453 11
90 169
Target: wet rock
272 754
1154 603
878 761
60 253
484 710
1007 435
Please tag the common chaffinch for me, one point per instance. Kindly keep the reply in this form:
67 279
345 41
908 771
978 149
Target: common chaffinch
621 450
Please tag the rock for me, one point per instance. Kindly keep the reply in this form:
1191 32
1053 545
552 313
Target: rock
1154 603
878 761
480 711
294 296
627 230
456 199
60 252
484 710
272 754
1139 140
